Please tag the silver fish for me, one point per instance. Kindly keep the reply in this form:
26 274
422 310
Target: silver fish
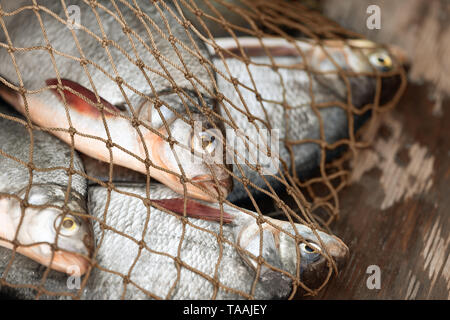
134 69
143 245
34 228
279 98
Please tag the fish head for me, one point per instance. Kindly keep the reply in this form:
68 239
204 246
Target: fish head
361 62
44 226
197 152
315 248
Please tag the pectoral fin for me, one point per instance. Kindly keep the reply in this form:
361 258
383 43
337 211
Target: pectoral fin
194 209
86 106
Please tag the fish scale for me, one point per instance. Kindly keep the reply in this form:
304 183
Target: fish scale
156 268
127 75
287 85
199 250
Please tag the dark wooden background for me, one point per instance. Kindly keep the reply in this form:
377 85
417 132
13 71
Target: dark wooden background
395 214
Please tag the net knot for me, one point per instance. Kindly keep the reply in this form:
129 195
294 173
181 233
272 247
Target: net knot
126 29
147 202
31 166
109 144
11 49
258 97
135 122
220 97
84 62
171 142
156 53
280 204
105 42
22 90
178 261
110 186
171 39
119 80
70 171
260 220
148 163
234 81
245 181
140 64
72 131
188 75
198 12
141 244
186 24
260 261
202 60
157 103
49 49
93 4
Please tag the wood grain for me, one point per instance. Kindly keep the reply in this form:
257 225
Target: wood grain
395 214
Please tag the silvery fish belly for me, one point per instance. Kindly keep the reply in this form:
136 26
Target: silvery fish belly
162 257
123 78
273 103
42 221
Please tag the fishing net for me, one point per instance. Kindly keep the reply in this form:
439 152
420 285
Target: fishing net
311 199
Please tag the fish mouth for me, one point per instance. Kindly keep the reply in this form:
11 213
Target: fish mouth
222 187
338 250
63 261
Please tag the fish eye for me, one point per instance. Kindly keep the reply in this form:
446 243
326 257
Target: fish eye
381 60
69 225
205 142
310 251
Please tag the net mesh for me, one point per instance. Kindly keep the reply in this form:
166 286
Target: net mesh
311 199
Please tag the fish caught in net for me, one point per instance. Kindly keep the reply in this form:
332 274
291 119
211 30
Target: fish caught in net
178 149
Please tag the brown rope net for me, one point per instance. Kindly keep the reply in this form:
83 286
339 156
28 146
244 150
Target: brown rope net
282 67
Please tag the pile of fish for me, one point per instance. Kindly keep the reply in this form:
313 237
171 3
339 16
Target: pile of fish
147 101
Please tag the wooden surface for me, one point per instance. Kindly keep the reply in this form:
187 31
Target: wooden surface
395 214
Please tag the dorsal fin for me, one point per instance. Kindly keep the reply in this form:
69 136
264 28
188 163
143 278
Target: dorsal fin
78 103
194 209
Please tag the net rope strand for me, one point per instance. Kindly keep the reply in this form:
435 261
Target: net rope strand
313 201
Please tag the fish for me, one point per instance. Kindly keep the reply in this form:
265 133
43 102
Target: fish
139 93
161 257
144 252
276 93
41 206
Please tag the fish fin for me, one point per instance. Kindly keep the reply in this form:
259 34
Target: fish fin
79 104
194 209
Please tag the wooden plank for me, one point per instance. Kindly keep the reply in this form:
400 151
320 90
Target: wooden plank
395 214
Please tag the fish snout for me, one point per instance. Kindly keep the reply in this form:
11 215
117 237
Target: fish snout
222 187
70 263
338 250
